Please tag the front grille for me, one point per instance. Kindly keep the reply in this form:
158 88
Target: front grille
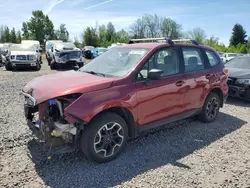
231 81
21 57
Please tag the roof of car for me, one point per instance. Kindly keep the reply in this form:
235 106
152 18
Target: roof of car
158 44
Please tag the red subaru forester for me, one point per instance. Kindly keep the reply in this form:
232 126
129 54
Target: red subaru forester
124 91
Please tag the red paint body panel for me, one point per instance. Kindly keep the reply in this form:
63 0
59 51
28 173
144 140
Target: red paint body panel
64 83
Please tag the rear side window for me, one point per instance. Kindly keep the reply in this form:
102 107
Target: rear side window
193 59
212 58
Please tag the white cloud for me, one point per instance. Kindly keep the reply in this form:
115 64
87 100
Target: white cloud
99 4
51 5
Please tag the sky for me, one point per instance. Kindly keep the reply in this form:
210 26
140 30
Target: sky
216 17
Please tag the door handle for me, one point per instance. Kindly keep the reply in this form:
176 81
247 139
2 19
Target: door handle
179 83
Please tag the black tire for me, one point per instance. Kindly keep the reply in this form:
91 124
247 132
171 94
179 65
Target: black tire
89 137
38 67
53 65
80 64
8 66
210 108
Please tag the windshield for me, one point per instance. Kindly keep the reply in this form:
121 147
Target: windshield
240 63
22 47
116 62
65 46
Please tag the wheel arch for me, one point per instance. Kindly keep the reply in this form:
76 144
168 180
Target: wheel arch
219 92
126 114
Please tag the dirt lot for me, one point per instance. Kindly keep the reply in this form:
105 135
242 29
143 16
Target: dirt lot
191 154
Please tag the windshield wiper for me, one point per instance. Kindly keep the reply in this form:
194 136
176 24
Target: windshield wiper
95 73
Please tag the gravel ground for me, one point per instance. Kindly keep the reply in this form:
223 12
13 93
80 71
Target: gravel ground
190 154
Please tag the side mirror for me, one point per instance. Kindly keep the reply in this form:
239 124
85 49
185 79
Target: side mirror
154 74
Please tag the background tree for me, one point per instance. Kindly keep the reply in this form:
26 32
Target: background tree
90 37
197 34
19 36
238 35
101 34
6 35
62 33
170 29
13 37
248 42
26 34
138 29
122 36
110 32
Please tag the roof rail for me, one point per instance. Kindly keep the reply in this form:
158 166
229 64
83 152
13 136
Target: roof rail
186 40
168 40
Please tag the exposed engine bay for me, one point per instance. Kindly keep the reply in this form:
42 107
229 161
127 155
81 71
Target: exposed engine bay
49 122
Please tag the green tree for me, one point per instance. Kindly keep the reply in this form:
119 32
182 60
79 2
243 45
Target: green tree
110 32
13 37
170 29
238 35
90 37
19 36
62 33
26 34
197 34
248 42
243 49
6 35
101 34
39 27
122 36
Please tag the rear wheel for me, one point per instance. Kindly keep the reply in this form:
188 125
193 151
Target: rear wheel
211 108
105 138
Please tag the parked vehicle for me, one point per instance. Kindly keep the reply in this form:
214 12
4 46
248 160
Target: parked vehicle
23 56
65 54
48 46
125 91
229 56
239 77
87 52
37 45
98 51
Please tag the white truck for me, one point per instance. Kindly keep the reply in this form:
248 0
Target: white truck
23 56
37 45
65 54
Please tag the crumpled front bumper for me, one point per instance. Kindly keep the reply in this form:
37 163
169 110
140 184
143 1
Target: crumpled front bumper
239 92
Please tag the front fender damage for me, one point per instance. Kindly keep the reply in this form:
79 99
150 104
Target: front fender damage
58 131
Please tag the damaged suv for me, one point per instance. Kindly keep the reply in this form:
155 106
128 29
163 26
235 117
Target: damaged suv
123 92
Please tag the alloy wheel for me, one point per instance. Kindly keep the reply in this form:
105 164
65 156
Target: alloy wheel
108 139
212 108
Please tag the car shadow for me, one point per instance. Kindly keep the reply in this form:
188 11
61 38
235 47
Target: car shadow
238 102
149 151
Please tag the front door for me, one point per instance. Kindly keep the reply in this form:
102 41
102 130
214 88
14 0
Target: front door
160 99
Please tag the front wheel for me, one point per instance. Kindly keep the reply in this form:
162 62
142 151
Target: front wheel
210 108
80 64
105 138
38 67
8 66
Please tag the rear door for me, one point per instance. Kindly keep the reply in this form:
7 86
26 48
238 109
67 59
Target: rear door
196 81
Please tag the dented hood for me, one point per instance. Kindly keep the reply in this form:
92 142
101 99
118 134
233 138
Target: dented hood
64 83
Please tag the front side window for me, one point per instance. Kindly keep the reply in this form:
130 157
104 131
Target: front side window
213 60
166 60
116 62
192 59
